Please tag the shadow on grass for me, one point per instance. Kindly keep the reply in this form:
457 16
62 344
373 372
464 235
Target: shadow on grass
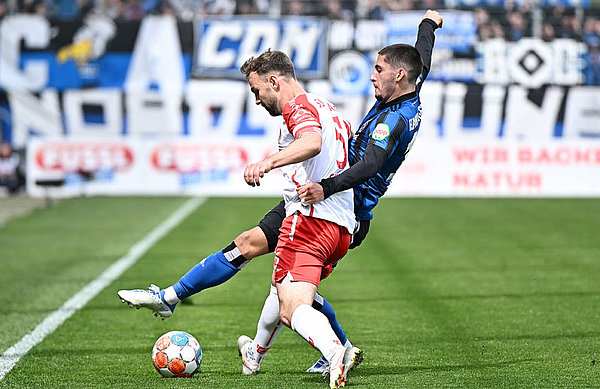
399 370
199 303
468 297
579 335
52 352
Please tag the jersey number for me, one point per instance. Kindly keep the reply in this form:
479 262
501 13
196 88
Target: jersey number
338 136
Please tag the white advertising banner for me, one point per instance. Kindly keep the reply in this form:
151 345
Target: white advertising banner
144 166
186 166
500 168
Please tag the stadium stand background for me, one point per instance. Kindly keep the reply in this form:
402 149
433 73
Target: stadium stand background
526 71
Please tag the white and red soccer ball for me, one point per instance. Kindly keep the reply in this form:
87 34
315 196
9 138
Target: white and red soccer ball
177 354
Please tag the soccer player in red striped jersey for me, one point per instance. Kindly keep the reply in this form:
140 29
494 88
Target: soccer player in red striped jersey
312 146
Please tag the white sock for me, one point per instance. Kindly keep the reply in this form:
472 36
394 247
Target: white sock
267 329
314 327
171 296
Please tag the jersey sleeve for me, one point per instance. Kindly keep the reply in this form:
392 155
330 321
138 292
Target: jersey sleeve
365 169
424 45
301 117
388 130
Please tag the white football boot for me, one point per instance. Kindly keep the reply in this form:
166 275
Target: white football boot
153 299
249 367
320 367
341 363
353 357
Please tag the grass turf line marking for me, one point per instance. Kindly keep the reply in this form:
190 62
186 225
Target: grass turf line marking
11 356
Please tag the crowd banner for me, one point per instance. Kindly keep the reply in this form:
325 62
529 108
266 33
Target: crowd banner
158 106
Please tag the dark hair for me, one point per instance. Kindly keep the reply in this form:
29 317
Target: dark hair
271 61
403 56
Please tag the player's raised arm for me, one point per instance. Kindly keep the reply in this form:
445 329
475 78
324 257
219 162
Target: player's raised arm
374 157
425 41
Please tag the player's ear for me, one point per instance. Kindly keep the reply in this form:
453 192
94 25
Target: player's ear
400 73
274 82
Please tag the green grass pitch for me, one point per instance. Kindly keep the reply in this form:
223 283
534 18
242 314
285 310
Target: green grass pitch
444 293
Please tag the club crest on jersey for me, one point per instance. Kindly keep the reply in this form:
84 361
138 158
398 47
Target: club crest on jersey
381 132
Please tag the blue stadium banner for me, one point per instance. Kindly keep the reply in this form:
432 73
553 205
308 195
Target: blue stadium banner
224 44
94 52
459 33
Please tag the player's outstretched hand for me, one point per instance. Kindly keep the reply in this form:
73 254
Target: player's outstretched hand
255 171
311 193
435 16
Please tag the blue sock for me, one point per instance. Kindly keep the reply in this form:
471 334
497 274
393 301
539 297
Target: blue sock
212 271
322 305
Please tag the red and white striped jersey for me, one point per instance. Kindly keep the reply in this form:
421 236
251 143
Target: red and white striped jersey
310 113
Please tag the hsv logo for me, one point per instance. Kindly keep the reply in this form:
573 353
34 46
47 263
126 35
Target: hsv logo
197 158
84 157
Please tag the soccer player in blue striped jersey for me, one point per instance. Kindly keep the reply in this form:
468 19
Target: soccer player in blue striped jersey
373 163
387 132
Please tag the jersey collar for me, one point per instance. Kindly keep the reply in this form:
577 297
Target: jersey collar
398 100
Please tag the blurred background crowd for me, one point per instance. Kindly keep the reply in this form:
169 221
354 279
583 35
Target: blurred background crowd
510 21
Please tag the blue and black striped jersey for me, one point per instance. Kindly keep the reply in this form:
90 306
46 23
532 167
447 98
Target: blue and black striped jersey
383 138
393 127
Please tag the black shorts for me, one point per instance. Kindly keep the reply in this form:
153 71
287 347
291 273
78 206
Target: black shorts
271 223
360 234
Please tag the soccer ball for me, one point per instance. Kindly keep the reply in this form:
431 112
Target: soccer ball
177 354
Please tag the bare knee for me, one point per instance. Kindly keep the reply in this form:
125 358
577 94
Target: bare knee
291 296
252 243
285 314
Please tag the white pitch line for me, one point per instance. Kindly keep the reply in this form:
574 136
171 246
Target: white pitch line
11 356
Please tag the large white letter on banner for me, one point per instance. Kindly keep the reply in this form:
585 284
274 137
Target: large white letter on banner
493 66
215 107
106 98
369 35
491 111
526 120
454 109
41 116
210 55
154 113
431 99
340 34
34 30
156 60
156 64
567 61
582 113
